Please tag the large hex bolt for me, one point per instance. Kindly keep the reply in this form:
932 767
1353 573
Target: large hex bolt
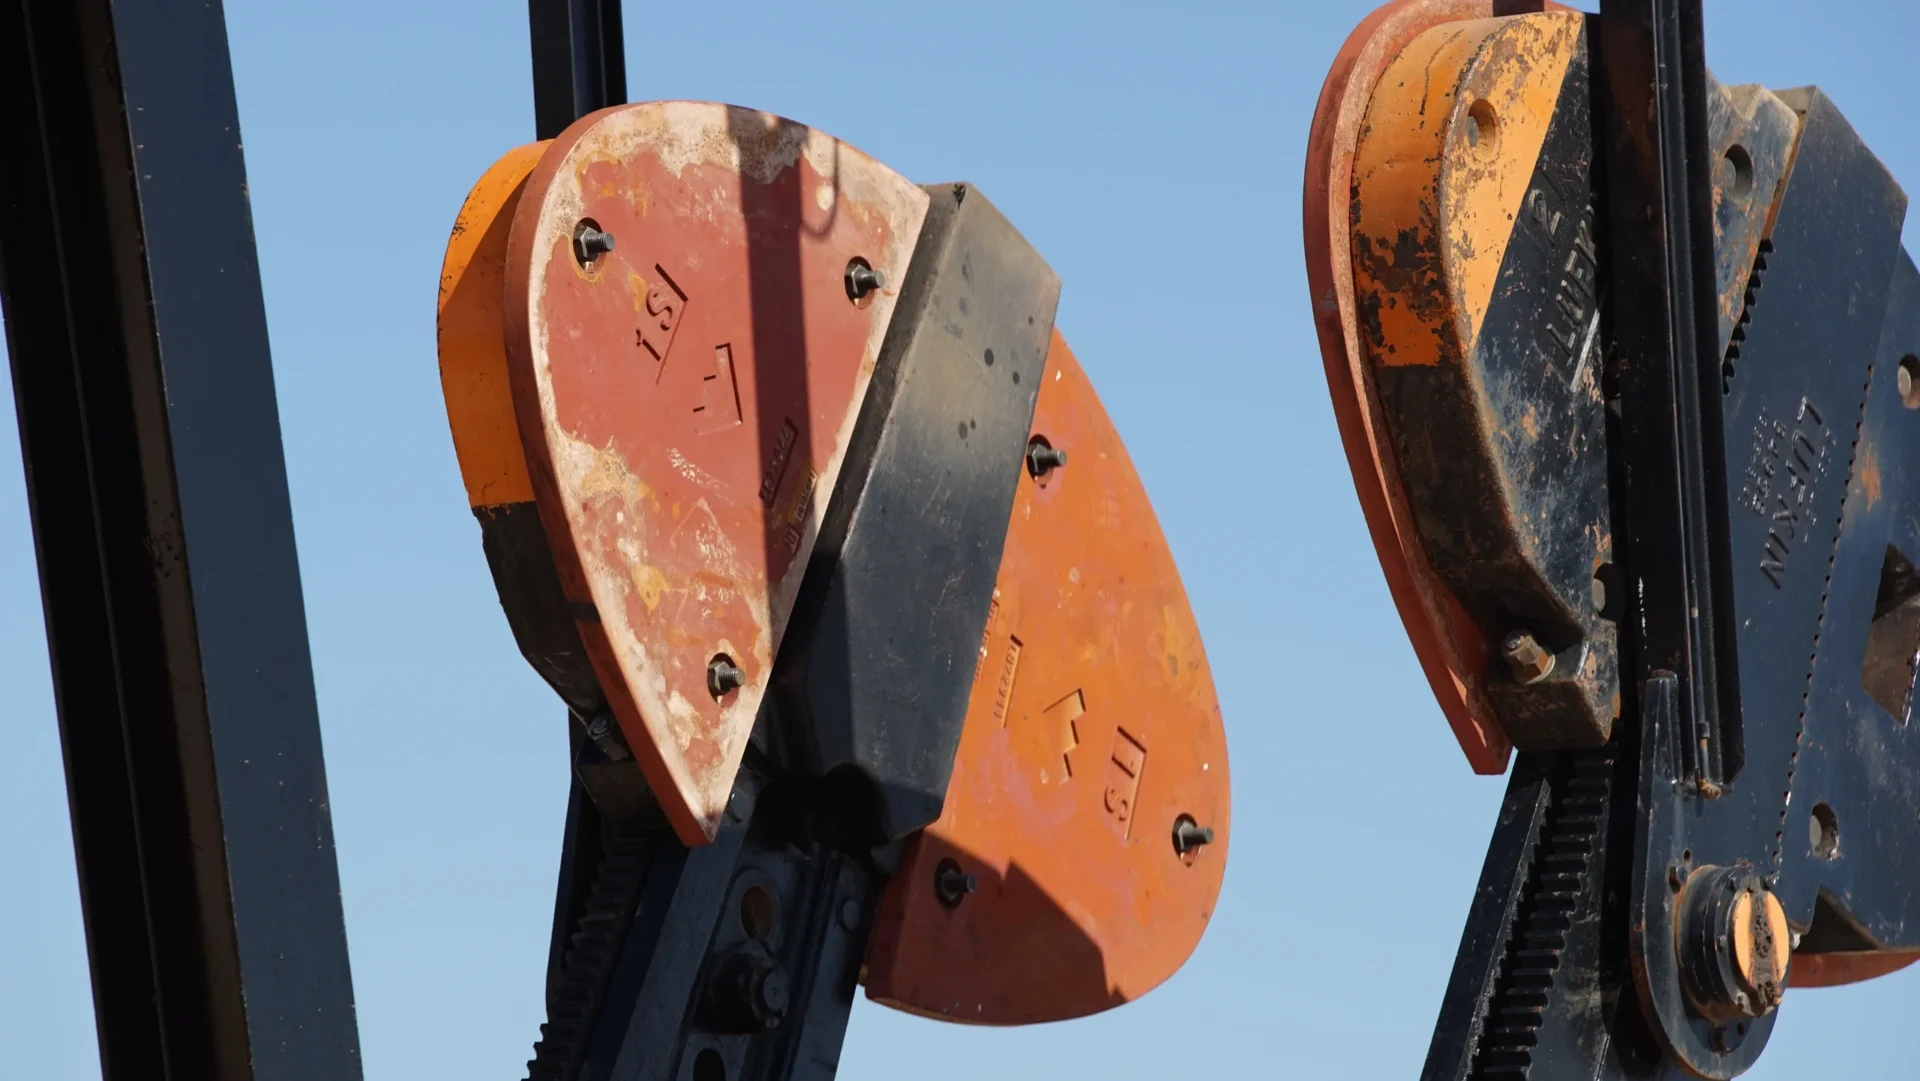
1529 660
1043 458
724 676
747 993
1190 836
1734 944
590 242
863 280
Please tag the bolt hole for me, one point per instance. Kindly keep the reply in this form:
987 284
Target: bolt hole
1483 128
1909 380
709 1066
1741 184
1823 831
757 913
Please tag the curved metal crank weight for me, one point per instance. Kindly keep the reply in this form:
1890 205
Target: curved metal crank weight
1617 363
793 494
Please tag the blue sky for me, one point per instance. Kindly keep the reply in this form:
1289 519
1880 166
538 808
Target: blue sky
1153 153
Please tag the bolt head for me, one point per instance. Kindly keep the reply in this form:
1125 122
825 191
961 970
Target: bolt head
774 995
863 280
740 805
1530 661
1043 459
590 243
724 676
1189 836
951 885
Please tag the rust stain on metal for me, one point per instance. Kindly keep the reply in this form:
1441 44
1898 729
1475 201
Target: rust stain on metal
1870 473
684 396
1451 650
1092 727
1439 172
1754 136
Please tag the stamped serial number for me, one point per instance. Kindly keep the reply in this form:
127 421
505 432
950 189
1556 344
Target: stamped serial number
1790 461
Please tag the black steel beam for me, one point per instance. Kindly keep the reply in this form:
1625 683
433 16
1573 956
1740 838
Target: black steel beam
579 61
1665 327
579 66
164 534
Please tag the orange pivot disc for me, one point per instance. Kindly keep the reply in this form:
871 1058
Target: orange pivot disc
1089 801
687 353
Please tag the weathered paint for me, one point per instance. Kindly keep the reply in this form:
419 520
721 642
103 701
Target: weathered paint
1752 126
685 399
473 354
1093 725
1451 650
1475 270
1435 200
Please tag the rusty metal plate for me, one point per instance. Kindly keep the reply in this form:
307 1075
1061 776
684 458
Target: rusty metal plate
1475 268
1451 649
1092 729
684 397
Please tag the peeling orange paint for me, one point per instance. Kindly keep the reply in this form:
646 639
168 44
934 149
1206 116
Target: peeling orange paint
1095 726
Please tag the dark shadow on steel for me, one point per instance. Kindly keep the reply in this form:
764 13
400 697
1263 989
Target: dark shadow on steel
164 534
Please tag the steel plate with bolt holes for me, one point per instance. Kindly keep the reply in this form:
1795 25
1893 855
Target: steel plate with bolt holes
1092 734
688 350
1452 648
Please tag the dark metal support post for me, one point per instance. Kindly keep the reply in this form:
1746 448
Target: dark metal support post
150 434
1665 328
579 67
579 61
